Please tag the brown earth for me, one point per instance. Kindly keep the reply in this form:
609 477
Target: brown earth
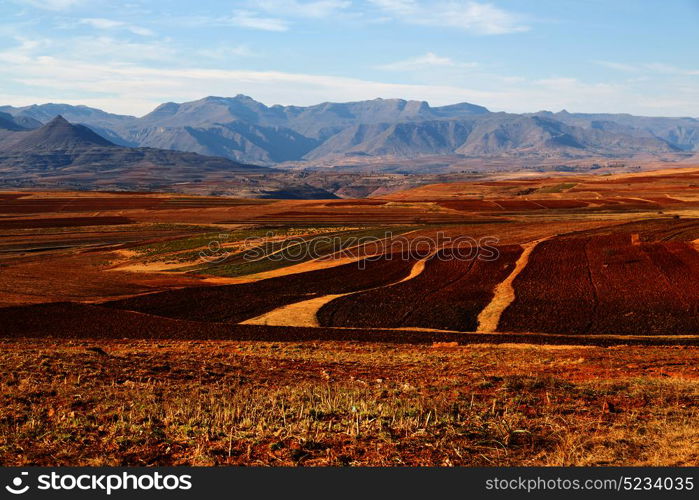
119 345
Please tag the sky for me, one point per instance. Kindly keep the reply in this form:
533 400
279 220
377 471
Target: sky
621 56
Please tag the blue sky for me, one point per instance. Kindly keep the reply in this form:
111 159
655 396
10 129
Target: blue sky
638 57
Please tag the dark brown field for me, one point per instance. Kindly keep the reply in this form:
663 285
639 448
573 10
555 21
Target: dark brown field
136 329
447 295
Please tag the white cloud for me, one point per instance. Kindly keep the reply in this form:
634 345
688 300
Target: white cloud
102 24
423 62
293 8
474 17
248 19
617 66
401 7
51 4
138 88
670 70
110 24
86 48
659 68
226 52
273 15
134 82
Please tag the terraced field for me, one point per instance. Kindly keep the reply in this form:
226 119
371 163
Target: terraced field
236 303
63 222
610 284
448 295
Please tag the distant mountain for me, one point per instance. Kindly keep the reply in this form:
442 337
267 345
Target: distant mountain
398 139
57 135
44 113
682 133
9 123
536 135
247 131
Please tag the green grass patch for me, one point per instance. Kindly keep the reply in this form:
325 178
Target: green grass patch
294 251
558 188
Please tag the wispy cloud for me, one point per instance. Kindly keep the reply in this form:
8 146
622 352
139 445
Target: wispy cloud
227 52
252 20
474 17
423 62
670 69
276 15
127 77
94 49
617 66
51 4
111 24
316 9
659 68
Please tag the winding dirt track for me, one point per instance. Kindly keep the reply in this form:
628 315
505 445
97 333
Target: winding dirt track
305 313
504 293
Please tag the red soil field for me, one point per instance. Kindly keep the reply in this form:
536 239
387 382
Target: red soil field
606 285
519 205
448 295
343 216
620 205
10 196
658 229
664 200
18 204
469 205
680 265
632 201
66 321
236 303
492 205
59 205
64 222
553 292
353 203
634 295
645 179
562 203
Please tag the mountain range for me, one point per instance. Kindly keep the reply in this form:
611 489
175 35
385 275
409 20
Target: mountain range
244 130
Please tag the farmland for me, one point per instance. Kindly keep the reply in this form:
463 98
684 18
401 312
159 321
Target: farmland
447 295
150 328
604 284
236 303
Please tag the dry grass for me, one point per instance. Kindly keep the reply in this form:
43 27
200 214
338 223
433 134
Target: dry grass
218 402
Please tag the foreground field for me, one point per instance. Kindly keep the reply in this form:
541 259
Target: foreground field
142 329
115 402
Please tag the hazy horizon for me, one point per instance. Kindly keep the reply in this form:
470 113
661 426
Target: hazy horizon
269 105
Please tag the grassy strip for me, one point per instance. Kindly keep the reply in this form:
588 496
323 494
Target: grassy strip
283 254
558 188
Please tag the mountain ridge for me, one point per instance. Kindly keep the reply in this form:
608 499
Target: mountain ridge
245 130
71 156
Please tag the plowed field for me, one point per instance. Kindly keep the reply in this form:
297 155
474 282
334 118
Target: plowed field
448 295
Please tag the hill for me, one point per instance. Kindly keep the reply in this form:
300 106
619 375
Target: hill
64 155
